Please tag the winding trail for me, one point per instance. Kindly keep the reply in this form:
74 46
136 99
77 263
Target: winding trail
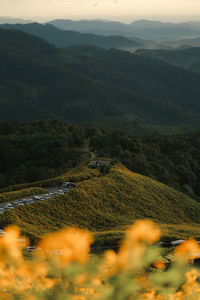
86 148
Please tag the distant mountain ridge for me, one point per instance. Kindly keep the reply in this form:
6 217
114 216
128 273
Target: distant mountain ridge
189 58
144 29
85 84
183 43
10 20
66 38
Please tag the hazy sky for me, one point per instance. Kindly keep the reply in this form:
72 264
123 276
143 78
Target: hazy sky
96 8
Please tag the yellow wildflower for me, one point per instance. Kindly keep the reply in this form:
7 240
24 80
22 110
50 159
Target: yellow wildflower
71 244
188 251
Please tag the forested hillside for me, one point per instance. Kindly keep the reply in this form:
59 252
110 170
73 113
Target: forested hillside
188 58
39 150
45 149
86 84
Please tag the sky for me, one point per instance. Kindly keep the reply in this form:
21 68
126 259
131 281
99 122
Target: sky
108 9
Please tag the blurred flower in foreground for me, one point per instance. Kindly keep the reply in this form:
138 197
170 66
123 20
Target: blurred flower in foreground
191 289
73 243
133 248
143 231
159 265
188 251
136 271
11 245
138 236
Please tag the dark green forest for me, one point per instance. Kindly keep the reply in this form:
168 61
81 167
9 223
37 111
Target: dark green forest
88 84
188 58
39 150
44 149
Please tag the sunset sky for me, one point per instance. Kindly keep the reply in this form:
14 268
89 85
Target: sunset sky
96 8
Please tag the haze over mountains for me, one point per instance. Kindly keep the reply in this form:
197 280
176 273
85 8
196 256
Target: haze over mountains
53 75
182 43
40 81
66 38
10 20
84 84
188 58
144 29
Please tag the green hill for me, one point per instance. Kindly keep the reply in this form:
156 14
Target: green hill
107 205
38 151
66 38
172 160
86 84
181 44
188 58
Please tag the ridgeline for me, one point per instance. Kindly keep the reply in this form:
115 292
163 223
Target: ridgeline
107 204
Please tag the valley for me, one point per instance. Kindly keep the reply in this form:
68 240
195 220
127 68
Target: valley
88 84
99 150
99 157
68 97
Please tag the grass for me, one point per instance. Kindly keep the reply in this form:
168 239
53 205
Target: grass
107 205
11 196
80 173
182 231
111 239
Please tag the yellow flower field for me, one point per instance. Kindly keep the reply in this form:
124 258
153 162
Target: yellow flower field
62 268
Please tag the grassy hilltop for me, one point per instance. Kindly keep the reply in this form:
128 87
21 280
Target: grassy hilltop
107 205
41 152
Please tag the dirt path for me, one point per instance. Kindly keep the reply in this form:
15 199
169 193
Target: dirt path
86 148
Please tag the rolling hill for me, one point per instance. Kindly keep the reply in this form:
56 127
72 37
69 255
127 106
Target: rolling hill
37 152
92 26
85 84
107 205
172 160
188 58
144 29
66 38
183 43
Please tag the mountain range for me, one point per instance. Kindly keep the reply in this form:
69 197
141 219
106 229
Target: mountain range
52 74
144 29
10 20
182 43
86 84
66 38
